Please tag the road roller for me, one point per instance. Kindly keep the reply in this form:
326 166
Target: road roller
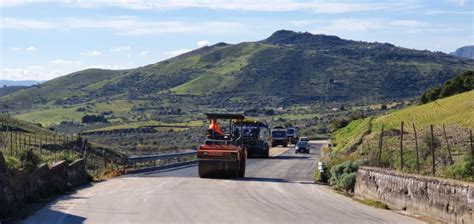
223 154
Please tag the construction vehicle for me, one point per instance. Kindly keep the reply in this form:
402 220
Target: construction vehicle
292 135
256 138
223 155
279 137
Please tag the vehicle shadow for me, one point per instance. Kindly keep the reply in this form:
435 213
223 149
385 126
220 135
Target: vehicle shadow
284 157
262 179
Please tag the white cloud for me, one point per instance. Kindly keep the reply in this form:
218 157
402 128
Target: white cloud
303 22
60 61
91 53
458 2
445 12
15 49
203 43
126 25
29 73
349 25
321 6
177 52
144 53
120 49
14 23
31 49
408 23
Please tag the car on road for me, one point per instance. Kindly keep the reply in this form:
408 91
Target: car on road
302 147
303 139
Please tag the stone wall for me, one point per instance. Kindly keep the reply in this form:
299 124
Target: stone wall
444 199
17 188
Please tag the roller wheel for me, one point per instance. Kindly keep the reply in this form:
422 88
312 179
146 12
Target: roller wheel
204 169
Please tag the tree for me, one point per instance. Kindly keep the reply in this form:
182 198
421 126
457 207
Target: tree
94 119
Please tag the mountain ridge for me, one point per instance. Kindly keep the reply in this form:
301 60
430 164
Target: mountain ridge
464 52
284 69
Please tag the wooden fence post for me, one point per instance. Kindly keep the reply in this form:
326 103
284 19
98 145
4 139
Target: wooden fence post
470 139
105 158
11 143
401 145
432 151
380 148
417 152
450 158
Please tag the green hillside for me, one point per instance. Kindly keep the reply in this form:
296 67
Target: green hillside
285 69
457 110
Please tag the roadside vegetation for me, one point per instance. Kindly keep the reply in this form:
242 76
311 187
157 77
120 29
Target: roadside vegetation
358 143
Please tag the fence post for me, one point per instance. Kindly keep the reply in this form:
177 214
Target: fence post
105 158
417 152
432 151
401 145
11 143
450 158
380 147
470 139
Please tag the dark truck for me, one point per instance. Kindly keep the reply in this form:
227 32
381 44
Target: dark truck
279 137
292 135
256 138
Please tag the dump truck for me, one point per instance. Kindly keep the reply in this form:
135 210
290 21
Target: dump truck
279 136
223 155
292 135
256 138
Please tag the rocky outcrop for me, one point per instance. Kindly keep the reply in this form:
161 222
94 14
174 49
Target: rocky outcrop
18 188
445 199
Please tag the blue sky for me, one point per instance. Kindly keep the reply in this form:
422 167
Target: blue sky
43 40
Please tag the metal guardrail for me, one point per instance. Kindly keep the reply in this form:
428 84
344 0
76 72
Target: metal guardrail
150 158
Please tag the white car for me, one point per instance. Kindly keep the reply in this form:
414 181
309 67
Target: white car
303 139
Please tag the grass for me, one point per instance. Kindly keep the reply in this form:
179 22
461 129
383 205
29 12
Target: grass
351 134
50 116
457 109
196 123
373 203
456 112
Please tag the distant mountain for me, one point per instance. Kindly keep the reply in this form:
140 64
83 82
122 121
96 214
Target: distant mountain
5 90
18 83
285 69
465 52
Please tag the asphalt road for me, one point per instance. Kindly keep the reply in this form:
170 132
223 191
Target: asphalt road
275 190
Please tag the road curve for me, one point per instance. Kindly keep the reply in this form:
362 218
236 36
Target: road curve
276 190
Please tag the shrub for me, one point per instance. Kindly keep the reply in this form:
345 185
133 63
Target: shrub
29 160
13 163
343 176
463 169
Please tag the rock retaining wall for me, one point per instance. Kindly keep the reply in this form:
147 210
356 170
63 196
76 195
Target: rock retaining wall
17 188
445 199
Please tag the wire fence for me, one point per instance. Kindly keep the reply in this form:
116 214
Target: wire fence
436 150
50 147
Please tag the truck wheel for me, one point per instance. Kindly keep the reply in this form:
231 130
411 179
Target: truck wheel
242 170
285 145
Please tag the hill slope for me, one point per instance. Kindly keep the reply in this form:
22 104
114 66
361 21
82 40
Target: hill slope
457 110
285 69
465 52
